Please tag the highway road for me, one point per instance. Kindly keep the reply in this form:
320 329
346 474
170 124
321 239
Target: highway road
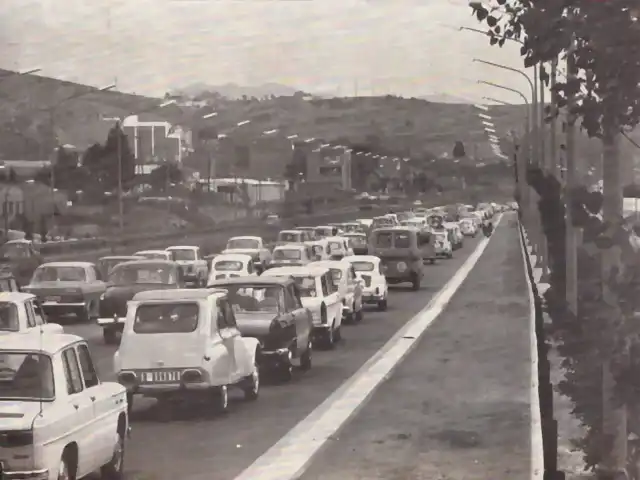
186 443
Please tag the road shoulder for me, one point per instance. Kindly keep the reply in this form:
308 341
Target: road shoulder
458 406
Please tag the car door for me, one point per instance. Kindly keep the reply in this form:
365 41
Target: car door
87 434
300 314
243 362
106 406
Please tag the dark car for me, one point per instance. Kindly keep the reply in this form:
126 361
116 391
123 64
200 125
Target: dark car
124 281
22 257
105 264
8 282
269 309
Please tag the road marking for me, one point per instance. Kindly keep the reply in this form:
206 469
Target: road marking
290 457
537 450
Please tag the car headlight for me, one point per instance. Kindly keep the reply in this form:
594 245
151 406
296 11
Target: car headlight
102 297
402 267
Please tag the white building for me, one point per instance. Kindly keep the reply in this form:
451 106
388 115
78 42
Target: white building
257 191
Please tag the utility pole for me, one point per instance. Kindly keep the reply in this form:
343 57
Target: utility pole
553 152
119 159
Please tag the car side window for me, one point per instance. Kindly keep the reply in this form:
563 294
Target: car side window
94 274
229 316
221 321
289 301
72 371
293 291
325 286
31 317
86 364
38 313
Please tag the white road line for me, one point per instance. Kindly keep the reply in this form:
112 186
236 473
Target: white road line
537 451
290 457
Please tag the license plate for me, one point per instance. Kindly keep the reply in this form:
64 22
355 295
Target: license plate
53 299
162 376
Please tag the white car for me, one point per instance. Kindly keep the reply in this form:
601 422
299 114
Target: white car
319 294
179 342
195 268
22 313
458 237
320 249
252 246
291 255
154 254
349 287
324 231
339 247
468 227
375 290
229 265
292 236
442 245
51 398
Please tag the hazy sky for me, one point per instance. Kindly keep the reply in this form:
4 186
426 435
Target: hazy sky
406 47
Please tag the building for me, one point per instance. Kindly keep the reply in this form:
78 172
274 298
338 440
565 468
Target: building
249 191
31 199
328 164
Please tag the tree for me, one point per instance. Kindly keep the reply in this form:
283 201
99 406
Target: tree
101 161
164 175
459 150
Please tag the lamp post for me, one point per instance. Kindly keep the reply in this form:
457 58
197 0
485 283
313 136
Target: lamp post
119 124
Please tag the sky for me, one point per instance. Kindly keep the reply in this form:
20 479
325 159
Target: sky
401 47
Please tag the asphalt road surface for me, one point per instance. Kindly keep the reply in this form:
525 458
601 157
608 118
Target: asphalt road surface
457 408
185 443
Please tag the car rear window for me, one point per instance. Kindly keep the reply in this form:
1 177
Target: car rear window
402 240
166 318
384 240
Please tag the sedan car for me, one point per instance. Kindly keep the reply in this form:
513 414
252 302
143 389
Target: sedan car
128 279
358 242
349 287
270 310
154 255
468 227
22 313
105 264
291 254
369 269
443 246
68 288
230 265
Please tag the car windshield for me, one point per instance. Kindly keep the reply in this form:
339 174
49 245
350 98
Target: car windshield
183 254
306 286
9 317
323 231
48 273
122 275
107 265
152 255
363 266
248 243
287 254
166 318
228 266
255 298
402 240
357 241
384 240
26 376
289 237
14 250
336 274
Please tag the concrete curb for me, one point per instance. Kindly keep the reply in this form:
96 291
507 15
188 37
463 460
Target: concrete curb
537 445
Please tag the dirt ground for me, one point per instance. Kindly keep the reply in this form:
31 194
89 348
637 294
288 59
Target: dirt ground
458 407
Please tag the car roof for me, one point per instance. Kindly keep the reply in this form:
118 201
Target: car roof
362 258
178 294
354 234
181 247
297 246
151 251
291 230
245 237
34 341
240 257
330 264
296 270
397 228
67 264
253 281
18 240
324 226
149 261
119 257
16 297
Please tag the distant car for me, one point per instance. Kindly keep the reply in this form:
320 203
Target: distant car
292 236
253 246
231 265
320 295
291 254
468 227
105 264
51 390
195 269
338 247
180 344
154 255
68 288
22 257
349 287
125 281
443 246
22 313
369 269
357 242
270 310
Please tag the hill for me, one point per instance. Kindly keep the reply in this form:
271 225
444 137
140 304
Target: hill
234 91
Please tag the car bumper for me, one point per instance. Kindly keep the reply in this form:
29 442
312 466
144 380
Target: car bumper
372 297
151 390
54 307
111 322
275 358
25 475
443 253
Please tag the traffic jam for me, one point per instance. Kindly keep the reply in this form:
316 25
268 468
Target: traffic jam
189 326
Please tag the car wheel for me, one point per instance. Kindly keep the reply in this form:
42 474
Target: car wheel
359 315
129 403
285 371
305 358
382 305
221 399
329 340
337 334
110 336
415 282
84 315
252 387
64 471
114 470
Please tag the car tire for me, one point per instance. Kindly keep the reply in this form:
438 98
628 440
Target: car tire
337 334
129 403
382 305
415 282
359 315
84 315
220 399
329 339
285 370
114 470
306 358
252 383
110 336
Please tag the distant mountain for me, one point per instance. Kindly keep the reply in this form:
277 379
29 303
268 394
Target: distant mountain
235 91
444 98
